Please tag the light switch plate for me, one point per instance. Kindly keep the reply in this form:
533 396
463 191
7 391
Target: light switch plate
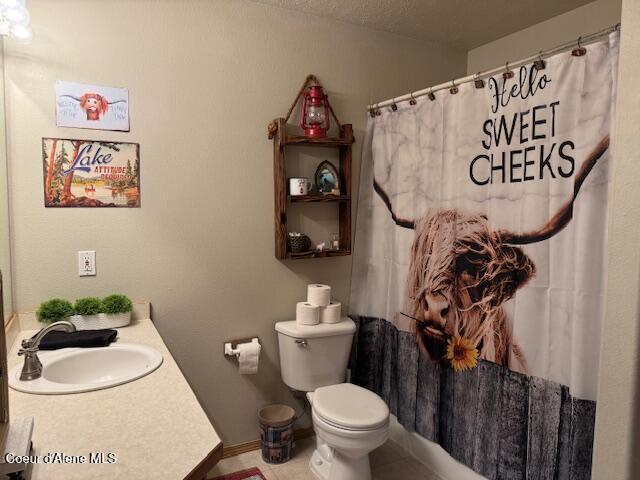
87 263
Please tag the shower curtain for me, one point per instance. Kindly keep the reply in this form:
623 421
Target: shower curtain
478 275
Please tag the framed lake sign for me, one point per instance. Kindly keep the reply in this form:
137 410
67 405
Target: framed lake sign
86 173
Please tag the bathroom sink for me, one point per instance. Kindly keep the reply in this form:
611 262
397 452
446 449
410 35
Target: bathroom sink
75 370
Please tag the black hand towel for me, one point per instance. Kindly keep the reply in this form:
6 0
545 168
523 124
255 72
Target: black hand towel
83 338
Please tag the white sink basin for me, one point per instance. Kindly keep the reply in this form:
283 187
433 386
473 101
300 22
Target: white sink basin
75 370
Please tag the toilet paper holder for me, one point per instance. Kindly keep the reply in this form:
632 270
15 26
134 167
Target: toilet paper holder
231 348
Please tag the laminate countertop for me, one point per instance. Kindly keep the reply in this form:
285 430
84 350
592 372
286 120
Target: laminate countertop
154 425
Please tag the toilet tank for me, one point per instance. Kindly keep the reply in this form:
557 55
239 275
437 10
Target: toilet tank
314 356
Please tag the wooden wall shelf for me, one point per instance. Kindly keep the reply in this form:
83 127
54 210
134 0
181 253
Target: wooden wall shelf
344 143
318 142
318 198
315 254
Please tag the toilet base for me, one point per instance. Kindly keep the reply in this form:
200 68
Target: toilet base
343 453
319 466
334 466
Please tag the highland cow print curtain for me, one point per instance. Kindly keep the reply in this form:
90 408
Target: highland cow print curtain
478 274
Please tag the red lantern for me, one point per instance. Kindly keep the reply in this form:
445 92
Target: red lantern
314 118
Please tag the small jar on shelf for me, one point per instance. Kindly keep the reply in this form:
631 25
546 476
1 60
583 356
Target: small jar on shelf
335 241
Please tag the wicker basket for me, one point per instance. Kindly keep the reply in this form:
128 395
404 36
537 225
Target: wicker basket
299 243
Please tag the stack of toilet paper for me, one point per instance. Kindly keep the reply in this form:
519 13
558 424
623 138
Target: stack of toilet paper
318 308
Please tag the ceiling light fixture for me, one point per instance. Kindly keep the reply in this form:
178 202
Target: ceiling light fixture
15 20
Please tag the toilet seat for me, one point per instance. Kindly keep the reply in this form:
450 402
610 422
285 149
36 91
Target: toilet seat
349 407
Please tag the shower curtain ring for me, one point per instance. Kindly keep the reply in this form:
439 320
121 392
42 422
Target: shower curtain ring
431 95
454 89
394 107
477 81
413 99
540 64
579 50
507 73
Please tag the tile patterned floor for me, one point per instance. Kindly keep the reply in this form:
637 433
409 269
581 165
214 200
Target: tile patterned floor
389 462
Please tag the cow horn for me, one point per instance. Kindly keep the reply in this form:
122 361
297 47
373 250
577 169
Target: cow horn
564 215
553 226
401 222
77 99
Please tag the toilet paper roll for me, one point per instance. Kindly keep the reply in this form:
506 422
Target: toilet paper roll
318 294
248 358
332 313
307 314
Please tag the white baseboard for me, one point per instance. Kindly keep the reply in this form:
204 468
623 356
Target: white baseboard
431 455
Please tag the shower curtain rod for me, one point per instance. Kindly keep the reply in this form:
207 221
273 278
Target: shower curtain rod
489 73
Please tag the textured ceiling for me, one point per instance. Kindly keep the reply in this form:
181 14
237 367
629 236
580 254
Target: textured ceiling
463 24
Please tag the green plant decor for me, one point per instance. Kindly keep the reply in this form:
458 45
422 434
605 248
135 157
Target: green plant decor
88 306
116 304
54 310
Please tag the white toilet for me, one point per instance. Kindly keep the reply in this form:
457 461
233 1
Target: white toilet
349 421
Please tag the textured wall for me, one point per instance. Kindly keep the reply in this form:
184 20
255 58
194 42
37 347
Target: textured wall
460 23
5 243
564 28
617 418
205 78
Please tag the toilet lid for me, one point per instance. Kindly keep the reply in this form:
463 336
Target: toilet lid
349 406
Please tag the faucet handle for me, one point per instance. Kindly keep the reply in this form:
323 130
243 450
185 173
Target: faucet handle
25 350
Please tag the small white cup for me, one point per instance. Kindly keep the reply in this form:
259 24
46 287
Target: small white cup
299 186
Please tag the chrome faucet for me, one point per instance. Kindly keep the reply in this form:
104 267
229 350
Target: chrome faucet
32 367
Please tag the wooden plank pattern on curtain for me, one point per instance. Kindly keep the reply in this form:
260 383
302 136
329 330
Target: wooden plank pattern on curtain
545 401
428 399
488 420
512 447
502 424
368 339
389 390
563 463
407 380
